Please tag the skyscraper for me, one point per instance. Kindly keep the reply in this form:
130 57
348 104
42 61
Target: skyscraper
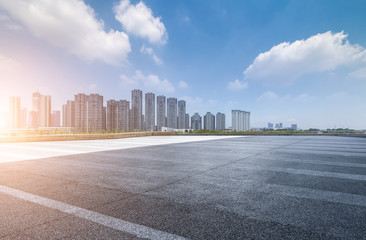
196 122
161 112
209 121
136 110
14 112
45 111
23 118
220 121
181 114
240 120
172 113
150 111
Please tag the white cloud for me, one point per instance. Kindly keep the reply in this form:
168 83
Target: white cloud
268 96
359 73
139 20
187 19
150 82
182 84
72 25
338 96
286 62
237 85
9 23
150 51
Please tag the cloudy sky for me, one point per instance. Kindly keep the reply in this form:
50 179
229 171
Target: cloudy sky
284 61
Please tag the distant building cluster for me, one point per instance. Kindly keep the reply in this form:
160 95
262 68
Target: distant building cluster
280 126
87 113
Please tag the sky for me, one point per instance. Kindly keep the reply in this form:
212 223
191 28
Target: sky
289 61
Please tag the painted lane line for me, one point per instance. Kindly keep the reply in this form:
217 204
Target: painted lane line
108 221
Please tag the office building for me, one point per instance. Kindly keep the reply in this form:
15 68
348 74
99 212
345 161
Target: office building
220 121
196 122
33 119
182 114
81 105
160 112
55 119
136 110
68 114
149 111
240 120
270 125
294 127
172 113
209 121
14 113
45 111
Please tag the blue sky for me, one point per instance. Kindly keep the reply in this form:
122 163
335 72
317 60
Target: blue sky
298 62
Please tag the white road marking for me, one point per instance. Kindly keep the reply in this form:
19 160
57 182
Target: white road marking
11 152
108 221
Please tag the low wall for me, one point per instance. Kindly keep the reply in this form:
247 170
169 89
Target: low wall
73 137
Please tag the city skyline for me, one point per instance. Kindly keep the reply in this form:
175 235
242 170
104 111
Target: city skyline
263 57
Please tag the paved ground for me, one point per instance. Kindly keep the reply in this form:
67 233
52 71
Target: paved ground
259 187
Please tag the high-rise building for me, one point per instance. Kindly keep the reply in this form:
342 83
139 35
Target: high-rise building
196 122
136 110
187 120
33 119
118 115
55 119
36 109
240 120
14 112
45 111
104 119
270 125
81 104
95 113
160 112
172 113
209 121
150 111
294 127
220 121
23 118
68 114
182 114
89 113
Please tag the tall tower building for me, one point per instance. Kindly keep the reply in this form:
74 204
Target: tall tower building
45 111
196 122
240 120
136 110
181 114
172 113
161 112
14 112
220 121
23 118
209 121
150 111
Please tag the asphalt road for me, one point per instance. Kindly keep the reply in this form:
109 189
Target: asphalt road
178 187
